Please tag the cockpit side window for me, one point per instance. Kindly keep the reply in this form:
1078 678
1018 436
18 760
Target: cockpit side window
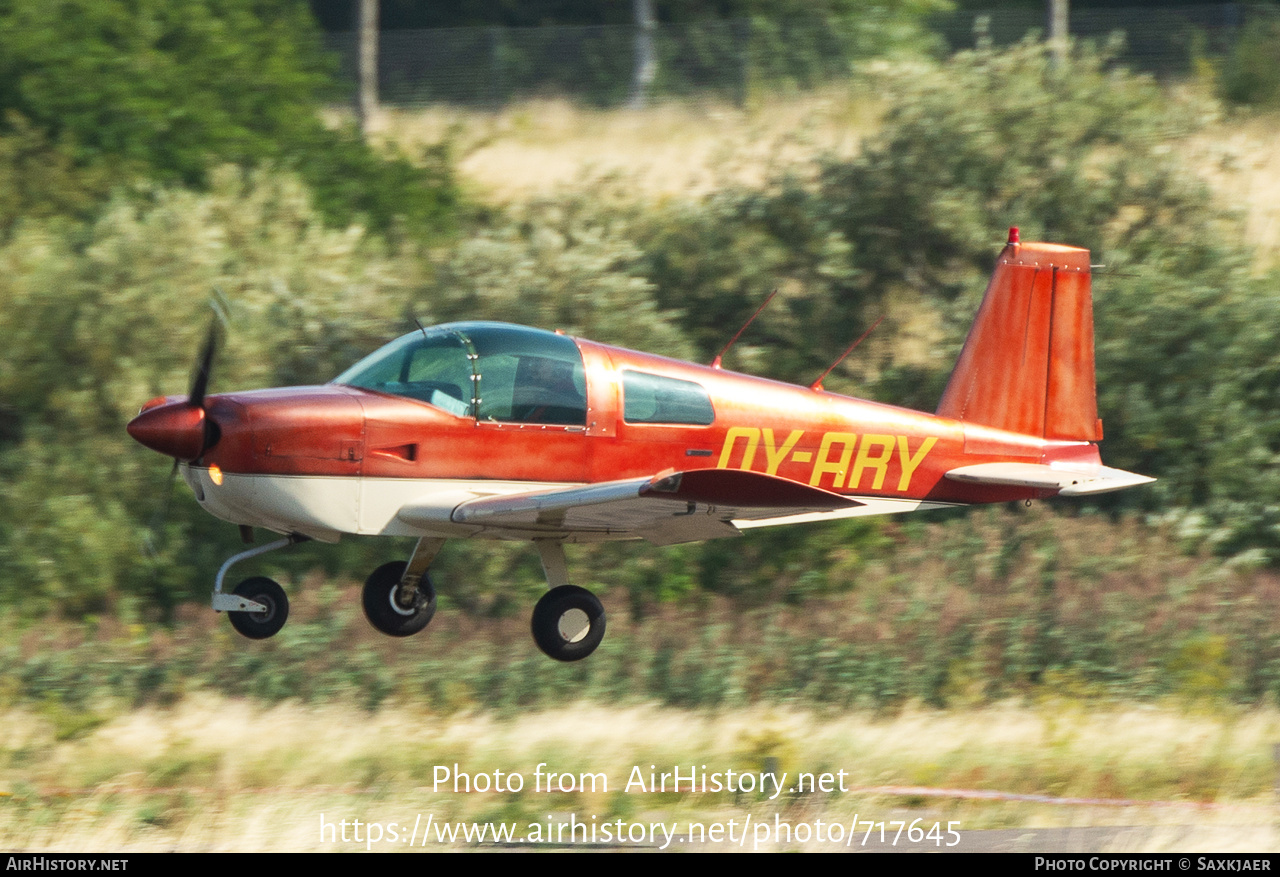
432 367
528 376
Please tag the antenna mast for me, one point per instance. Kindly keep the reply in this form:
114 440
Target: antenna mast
715 363
817 385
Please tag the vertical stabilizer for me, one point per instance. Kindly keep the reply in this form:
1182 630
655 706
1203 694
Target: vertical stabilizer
1027 365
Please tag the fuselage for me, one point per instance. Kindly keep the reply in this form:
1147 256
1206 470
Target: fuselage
344 458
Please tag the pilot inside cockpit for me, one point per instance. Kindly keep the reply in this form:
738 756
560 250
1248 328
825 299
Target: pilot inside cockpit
546 392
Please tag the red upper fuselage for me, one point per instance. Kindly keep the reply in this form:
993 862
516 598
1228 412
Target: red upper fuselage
837 443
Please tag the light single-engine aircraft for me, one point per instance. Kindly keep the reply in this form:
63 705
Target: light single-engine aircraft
478 430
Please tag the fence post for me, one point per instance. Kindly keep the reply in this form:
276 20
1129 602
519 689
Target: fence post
367 65
495 67
1059 27
646 58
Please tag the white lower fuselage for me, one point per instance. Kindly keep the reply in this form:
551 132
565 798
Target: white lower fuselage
326 507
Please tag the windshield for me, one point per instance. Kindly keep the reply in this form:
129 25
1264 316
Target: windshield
492 371
431 366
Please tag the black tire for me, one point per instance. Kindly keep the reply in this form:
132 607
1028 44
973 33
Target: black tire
381 608
260 625
557 623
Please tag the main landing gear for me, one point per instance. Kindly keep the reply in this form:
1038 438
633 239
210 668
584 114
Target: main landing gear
399 600
568 622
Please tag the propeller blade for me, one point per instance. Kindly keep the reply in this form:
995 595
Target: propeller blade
204 368
150 544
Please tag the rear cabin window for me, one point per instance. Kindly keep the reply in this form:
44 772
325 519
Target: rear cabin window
656 399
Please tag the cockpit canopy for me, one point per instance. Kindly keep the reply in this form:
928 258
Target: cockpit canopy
490 371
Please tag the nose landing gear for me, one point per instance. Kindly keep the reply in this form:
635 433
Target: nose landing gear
258 607
275 612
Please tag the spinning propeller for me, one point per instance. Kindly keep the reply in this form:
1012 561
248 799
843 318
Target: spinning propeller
181 428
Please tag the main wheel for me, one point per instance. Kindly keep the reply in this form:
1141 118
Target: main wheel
568 623
382 605
260 625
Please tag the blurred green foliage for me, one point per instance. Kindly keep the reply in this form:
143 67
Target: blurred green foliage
113 242
1250 74
1081 608
336 14
164 91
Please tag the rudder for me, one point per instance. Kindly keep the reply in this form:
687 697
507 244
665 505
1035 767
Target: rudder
1027 365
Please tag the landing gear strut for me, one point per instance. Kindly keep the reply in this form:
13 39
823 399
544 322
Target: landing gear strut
258 607
398 597
568 622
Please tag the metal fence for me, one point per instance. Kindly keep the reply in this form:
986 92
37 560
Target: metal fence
598 65
1160 40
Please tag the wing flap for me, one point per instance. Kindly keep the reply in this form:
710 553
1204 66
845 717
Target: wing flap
1067 480
668 508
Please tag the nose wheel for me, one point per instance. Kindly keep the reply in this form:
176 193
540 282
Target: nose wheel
568 623
266 623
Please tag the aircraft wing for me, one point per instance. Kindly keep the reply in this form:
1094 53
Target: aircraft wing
665 509
1068 480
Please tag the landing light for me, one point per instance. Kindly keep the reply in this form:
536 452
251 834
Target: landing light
215 475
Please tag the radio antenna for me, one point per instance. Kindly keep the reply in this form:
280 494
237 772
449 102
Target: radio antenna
817 385
715 363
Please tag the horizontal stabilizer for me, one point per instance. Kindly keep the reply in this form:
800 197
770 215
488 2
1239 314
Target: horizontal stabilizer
1067 480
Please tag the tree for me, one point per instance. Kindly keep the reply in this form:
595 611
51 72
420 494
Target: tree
163 85
166 89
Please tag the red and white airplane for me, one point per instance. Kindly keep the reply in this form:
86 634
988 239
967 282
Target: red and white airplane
481 430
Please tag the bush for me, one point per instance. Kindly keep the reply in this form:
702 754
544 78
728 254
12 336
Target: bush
168 90
1251 72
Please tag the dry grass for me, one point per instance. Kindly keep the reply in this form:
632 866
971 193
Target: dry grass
1241 160
218 774
534 148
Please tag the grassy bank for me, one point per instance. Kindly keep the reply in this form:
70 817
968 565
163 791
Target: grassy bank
213 773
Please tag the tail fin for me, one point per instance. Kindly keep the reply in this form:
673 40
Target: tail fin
1027 365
